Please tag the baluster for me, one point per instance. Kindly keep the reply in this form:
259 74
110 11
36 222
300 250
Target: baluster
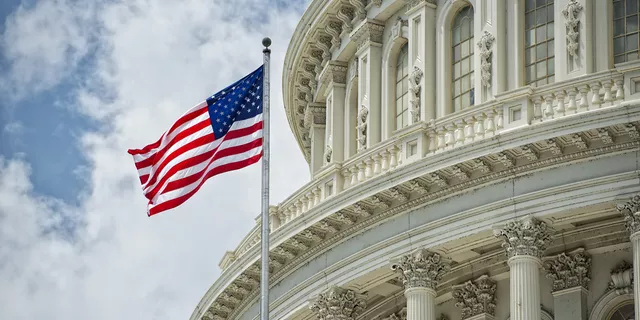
433 140
468 128
584 103
376 164
548 109
459 132
500 121
441 138
298 208
369 168
362 167
354 175
394 157
490 130
305 204
560 110
385 160
607 91
595 99
573 107
347 178
619 88
449 138
480 133
316 196
537 108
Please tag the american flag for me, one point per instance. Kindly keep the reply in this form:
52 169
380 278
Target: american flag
221 134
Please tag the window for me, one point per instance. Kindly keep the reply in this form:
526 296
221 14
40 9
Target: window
625 30
462 59
623 312
539 42
402 88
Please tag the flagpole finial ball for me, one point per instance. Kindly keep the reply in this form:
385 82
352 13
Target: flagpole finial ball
266 42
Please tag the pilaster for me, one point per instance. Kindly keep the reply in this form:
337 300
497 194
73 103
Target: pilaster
421 18
315 120
477 298
571 274
515 77
338 304
421 271
524 242
630 212
574 22
368 37
333 78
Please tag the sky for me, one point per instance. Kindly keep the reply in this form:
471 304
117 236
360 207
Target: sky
80 83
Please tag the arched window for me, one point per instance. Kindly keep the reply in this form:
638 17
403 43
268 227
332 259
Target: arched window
462 59
623 312
539 42
402 88
625 30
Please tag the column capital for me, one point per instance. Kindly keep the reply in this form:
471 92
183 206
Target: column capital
338 304
369 31
569 270
528 237
630 211
476 297
421 268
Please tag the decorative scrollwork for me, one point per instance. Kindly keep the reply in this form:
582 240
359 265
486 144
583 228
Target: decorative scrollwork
486 52
571 12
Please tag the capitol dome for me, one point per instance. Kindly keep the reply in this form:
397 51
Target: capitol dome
468 159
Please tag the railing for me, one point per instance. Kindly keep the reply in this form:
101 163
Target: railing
422 140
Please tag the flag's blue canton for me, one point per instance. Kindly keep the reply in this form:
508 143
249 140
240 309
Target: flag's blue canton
239 101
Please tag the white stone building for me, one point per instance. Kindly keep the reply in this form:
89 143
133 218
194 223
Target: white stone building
469 160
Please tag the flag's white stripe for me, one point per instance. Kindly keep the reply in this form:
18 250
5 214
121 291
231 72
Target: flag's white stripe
198 134
223 144
163 197
241 124
168 138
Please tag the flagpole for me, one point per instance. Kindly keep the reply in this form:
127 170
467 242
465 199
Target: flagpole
264 270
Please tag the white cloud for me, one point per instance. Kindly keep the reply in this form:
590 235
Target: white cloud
153 60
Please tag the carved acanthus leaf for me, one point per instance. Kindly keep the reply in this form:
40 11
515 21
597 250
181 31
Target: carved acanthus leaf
418 186
528 237
476 297
459 173
571 13
398 194
421 269
569 270
485 44
555 148
605 136
630 212
361 210
368 32
380 202
506 159
338 304
578 141
438 180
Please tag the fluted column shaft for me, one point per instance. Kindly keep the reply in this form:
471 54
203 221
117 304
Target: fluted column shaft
635 242
525 287
421 303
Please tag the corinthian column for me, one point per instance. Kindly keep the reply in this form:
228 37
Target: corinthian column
338 304
420 272
524 241
630 211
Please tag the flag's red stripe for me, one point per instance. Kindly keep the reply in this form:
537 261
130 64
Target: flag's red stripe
204 140
238 133
181 183
170 204
153 159
184 119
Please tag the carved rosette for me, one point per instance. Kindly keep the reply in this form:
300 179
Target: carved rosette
630 212
528 237
368 32
476 297
486 51
414 88
569 270
622 278
363 117
338 304
422 269
571 12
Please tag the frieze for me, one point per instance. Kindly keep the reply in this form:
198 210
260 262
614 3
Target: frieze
569 270
368 32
